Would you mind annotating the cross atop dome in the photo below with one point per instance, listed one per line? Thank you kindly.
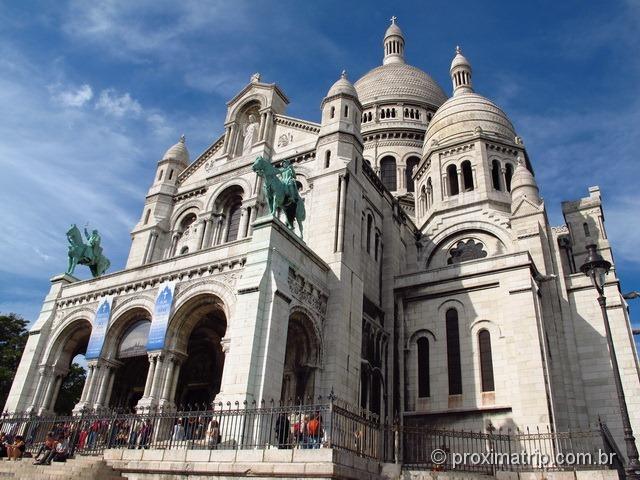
(393, 43)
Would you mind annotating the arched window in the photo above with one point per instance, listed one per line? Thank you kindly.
(327, 159)
(134, 341)
(486, 361)
(184, 250)
(377, 244)
(346, 110)
(146, 217)
(453, 352)
(170, 174)
(411, 162)
(160, 175)
(508, 173)
(587, 233)
(467, 176)
(388, 173)
(235, 212)
(369, 116)
(382, 114)
(393, 113)
(369, 225)
(423, 367)
(452, 175)
(429, 193)
(406, 112)
(495, 174)
(333, 112)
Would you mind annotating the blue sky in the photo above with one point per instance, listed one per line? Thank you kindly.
(93, 93)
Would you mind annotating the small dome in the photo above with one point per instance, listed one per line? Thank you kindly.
(393, 29)
(342, 86)
(460, 60)
(523, 184)
(464, 115)
(178, 152)
(399, 81)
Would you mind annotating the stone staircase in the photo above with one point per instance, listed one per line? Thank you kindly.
(79, 468)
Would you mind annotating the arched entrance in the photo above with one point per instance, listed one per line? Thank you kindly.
(302, 360)
(131, 355)
(199, 327)
(67, 384)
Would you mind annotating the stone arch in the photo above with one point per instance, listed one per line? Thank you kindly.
(241, 182)
(210, 286)
(303, 356)
(70, 339)
(449, 234)
(195, 333)
(193, 206)
(249, 101)
(422, 332)
(490, 325)
(122, 317)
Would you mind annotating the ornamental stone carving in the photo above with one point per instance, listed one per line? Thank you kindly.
(306, 292)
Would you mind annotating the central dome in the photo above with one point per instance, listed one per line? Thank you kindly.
(399, 81)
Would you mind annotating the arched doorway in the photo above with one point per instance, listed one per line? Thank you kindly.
(200, 326)
(130, 377)
(67, 386)
(302, 360)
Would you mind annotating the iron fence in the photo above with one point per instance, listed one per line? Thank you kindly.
(321, 423)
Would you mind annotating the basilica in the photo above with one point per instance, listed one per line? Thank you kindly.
(425, 285)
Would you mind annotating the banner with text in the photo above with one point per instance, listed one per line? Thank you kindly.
(161, 313)
(99, 330)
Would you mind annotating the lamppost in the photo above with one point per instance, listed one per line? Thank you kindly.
(596, 268)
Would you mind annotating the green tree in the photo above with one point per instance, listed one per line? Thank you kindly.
(13, 338)
(70, 390)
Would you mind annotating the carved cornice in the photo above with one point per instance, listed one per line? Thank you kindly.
(297, 123)
(194, 192)
(457, 149)
(307, 292)
(210, 269)
(402, 135)
(560, 229)
(502, 148)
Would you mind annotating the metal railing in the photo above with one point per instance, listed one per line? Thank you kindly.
(321, 423)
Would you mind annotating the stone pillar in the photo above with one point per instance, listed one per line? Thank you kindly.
(104, 384)
(225, 228)
(39, 388)
(269, 126)
(150, 372)
(176, 376)
(50, 381)
(460, 185)
(152, 247)
(236, 135)
(157, 377)
(254, 210)
(56, 391)
(215, 240)
(110, 388)
(503, 179)
(263, 123)
(227, 139)
(201, 232)
(244, 222)
(168, 381)
(341, 212)
(174, 244)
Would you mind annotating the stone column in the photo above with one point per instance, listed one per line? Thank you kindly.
(254, 210)
(460, 185)
(152, 247)
(176, 376)
(215, 240)
(104, 385)
(174, 245)
(503, 179)
(110, 387)
(263, 123)
(269, 126)
(225, 228)
(168, 381)
(201, 232)
(150, 372)
(39, 388)
(236, 135)
(341, 211)
(157, 377)
(51, 381)
(227, 139)
(56, 391)
(244, 222)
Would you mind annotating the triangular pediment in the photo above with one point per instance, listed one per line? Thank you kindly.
(526, 207)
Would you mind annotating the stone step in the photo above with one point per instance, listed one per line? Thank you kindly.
(73, 469)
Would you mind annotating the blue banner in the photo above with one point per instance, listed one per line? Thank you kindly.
(161, 314)
(99, 328)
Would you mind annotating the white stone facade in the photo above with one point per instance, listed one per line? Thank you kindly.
(429, 285)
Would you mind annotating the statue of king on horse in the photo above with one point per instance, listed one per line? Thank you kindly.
(281, 191)
(89, 254)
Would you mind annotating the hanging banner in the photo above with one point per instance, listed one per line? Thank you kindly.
(99, 330)
(161, 313)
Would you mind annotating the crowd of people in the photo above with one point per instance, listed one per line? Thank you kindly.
(299, 430)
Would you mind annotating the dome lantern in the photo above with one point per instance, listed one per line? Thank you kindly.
(461, 74)
(393, 44)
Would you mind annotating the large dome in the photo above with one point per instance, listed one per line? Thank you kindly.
(465, 114)
(399, 81)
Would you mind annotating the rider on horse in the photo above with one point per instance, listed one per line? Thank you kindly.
(288, 177)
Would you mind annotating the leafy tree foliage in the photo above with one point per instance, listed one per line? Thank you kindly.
(70, 390)
(13, 338)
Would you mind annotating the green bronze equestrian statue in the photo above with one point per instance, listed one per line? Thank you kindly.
(89, 254)
(281, 191)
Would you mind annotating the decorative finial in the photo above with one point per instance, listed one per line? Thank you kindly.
(343, 74)
(458, 50)
(255, 78)
(520, 160)
(182, 138)
(393, 20)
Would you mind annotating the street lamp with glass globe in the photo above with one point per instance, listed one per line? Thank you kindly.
(596, 268)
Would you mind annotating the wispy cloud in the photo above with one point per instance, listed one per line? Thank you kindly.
(74, 97)
(118, 104)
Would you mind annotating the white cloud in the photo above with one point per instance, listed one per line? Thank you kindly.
(75, 97)
(118, 105)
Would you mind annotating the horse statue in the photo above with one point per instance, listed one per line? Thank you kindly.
(281, 191)
(86, 254)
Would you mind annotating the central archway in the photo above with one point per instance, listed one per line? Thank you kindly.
(197, 330)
